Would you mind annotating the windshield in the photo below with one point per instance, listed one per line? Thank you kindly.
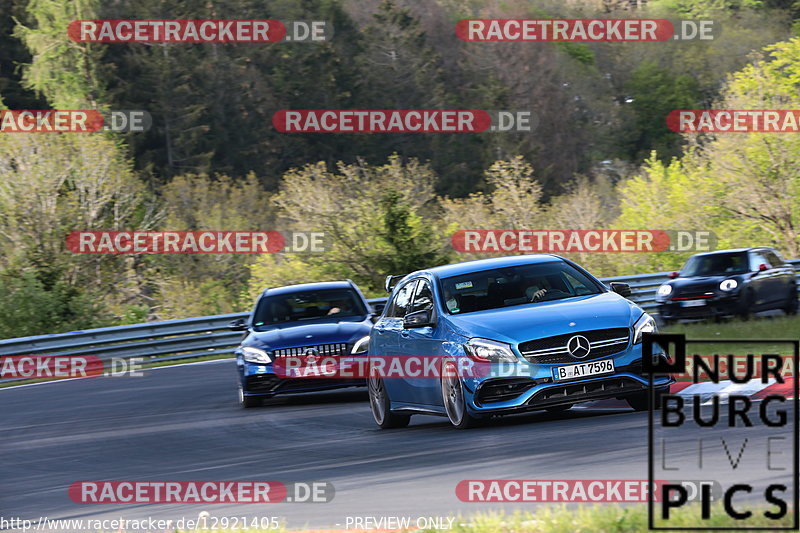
(524, 284)
(715, 265)
(308, 306)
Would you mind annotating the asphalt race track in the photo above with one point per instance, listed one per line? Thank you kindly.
(183, 423)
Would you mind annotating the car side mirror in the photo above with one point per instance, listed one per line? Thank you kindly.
(238, 325)
(623, 289)
(762, 267)
(673, 275)
(418, 319)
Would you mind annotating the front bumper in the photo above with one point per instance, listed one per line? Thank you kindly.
(719, 305)
(261, 380)
(499, 395)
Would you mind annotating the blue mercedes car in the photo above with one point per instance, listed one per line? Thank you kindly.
(308, 321)
(556, 334)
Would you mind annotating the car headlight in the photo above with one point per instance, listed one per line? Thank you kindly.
(361, 346)
(728, 284)
(664, 290)
(256, 355)
(645, 324)
(486, 351)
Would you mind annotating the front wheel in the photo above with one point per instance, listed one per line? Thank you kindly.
(640, 401)
(746, 305)
(454, 401)
(380, 405)
(247, 402)
(791, 305)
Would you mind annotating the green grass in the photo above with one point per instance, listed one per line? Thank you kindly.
(781, 327)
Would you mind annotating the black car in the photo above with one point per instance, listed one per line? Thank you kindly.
(729, 282)
(329, 319)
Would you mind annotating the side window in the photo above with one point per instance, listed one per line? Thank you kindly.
(423, 299)
(774, 262)
(402, 300)
(757, 259)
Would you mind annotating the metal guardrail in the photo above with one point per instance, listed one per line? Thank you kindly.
(190, 338)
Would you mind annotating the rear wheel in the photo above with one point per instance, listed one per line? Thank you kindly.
(379, 404)
(641, 400)
(454, 401)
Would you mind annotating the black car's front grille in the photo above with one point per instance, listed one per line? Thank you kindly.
(579, 392)
(553, 350)
(323, 350)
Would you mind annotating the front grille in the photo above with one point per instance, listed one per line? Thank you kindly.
(553, 350)
(339, 348)
(579, 392)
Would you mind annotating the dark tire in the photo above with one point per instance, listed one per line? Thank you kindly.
(746, 305)
(641, 400)
(559, 408)
(379, 403)
(455, 403)
(247, 402)
(792, 304)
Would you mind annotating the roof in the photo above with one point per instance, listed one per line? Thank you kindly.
(734, 250)
(322, 285)
(478, 265)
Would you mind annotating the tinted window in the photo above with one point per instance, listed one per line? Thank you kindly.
(524, 284)
(773, 259)
(402, 300)
(423, 299)
(308, 305)
(716, 265)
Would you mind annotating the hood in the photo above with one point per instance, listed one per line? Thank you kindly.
(294, 335)
(534, 321)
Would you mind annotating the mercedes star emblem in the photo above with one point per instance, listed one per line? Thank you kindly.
(578, 346)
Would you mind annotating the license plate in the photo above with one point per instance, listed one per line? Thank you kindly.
(595, 368)
(693, 303)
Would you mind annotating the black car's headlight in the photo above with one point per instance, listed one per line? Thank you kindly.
(486, 351)
(361, 346)
(645, 324)
(664, 290)
(256, 355)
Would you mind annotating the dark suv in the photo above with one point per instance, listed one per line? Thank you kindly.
(309, 320)
(729, 282)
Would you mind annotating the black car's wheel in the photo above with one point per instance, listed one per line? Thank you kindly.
(379, 404)
(559, 408)
(792, 304)
(247, 401)
(640, 401)
(454, 401)
(746, 305)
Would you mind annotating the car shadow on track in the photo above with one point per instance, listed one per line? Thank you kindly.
(319, 398)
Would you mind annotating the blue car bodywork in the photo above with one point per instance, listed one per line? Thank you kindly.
(426, 316)
(303, 330)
